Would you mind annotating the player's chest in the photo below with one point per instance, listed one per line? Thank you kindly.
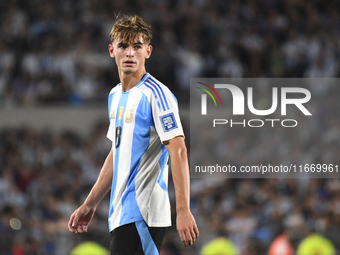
(130, 111)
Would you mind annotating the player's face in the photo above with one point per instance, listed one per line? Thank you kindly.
(130, 56)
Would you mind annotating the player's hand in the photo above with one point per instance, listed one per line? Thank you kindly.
(186, 227)
(81, 218)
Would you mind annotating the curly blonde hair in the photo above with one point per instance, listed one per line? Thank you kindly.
(128, 28)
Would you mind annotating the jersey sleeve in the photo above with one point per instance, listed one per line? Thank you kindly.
(166, 114)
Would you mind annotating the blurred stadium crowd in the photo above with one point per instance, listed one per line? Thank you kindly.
(55, 52)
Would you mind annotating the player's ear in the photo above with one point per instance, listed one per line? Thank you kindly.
(148, 51)
(112, 55)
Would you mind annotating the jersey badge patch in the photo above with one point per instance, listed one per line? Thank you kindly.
(168, 122)
(113, 115)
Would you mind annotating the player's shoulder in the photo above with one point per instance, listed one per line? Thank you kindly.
(152, 86)
(115, 88)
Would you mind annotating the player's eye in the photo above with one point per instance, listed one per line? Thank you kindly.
(137, 47)
(122, 47)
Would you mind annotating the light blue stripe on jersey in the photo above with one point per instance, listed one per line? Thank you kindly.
(162, 162)
(122, 103)
(140, 144)
(159, 87)
(148, 245)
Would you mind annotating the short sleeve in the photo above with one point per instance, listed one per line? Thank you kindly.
(166, 114)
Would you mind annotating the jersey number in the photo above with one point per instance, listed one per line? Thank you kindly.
(118, 135)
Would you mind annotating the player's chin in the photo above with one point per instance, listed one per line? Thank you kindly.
(128, 70)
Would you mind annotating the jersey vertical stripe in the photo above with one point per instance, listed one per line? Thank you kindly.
(134, 147)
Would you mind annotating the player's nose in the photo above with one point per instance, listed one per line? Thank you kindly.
(129, 51)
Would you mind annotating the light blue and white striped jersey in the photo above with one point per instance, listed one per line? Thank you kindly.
(140, 120)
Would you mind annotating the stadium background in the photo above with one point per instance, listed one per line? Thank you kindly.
(55, 75)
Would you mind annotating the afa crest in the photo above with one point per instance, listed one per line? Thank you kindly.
(129, 115)
(113, 115)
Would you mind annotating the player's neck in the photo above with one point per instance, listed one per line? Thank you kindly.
(129, 81)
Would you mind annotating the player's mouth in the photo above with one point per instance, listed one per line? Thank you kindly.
(129, 63)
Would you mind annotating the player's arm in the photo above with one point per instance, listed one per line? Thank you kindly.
(81, 217)
(186, 224)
